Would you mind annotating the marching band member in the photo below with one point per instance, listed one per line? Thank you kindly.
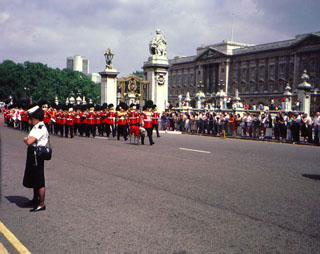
(121, 120)
(111, 121)
(147, 121)
(77, 120)
(91, 122)
(63, 119)
(69, 123)
(155, 120)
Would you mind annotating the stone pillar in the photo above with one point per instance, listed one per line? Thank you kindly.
(109, 86)
(156, 71)
(304, 93)
(288, 98)
(227, 70)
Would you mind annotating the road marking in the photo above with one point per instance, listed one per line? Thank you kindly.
(194, 150)
(3, 250)
(13, 240)
(101, 137)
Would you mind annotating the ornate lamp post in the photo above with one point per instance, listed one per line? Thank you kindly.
(109, 80)
(108, 57)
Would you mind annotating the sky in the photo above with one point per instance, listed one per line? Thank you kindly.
(48, 31)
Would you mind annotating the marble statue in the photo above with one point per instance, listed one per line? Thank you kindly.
(158, 45)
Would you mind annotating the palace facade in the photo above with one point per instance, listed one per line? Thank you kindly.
(259, 72)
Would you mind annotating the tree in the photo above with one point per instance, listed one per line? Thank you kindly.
(43, 83)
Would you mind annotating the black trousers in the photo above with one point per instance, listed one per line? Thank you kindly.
(149, 133)
(122, 130)
(109, 128)
(156, 127)
(68, 129)
(91, 128)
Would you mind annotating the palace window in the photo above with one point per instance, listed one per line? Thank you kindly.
(244, 72)
(291, 68)
(282, 68)
(271, 70)
(253, 72)
(262, 71)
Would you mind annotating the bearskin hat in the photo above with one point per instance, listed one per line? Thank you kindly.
(123, 105)
(149, 104)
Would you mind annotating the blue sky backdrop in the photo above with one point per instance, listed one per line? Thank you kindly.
(48, 31)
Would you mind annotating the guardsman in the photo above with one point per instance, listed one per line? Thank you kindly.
(69, 123)
(111, 121)
(147, 121)
(155, 120)
(63, 120)
(77, 120)
(24, 119)
(104, 118)
(91, 121)
(58, 119)
(83, 117)
(122, 120)
(46, 116)
(99, 115)
(133, 115)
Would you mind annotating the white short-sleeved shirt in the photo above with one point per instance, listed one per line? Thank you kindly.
(40, 132)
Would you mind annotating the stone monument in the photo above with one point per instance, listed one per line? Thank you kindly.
(287, 104)
(304, 93)
(156, 71)
(109, 80)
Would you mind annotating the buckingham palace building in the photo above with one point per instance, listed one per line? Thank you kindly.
(258, 72)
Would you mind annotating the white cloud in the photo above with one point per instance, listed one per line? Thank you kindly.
(50, 31)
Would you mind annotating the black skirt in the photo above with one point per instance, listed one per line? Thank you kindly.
(34, 171)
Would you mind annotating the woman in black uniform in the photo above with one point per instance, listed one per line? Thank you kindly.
(34, 171)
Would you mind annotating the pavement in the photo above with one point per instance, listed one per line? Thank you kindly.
(186, 194)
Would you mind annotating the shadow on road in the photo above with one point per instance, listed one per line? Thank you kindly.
(312, 176)
(20, 201)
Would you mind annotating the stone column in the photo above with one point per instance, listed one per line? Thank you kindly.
(156, 70)
(227, 69)
(304, 93)
(288, 96)
(109, 86)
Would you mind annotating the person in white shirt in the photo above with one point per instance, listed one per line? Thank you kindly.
(34, 171)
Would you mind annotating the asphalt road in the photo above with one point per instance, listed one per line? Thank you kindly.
(108, 196)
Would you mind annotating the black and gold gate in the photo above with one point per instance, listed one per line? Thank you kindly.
(132, 89)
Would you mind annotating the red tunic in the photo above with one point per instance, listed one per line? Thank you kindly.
(155, 118)
(147, 119)
(91, 118)
(70, 119)
(111, 117)
(63, 118)
(77, 118)
(121, 118)
(46, 117)
(133, 117)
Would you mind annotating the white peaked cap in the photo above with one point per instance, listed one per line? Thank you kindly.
(33, 109)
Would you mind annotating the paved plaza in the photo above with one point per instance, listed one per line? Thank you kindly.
(184, 195)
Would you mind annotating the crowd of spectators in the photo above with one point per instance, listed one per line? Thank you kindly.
(286, 127)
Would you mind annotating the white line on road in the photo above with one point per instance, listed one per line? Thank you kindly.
(101, 137)
(194, 150)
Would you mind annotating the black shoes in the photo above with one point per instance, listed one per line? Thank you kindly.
(39, 208)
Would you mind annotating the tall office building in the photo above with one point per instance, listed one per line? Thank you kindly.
(78, 63)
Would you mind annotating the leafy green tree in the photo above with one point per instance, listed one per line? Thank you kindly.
(139, 74)
(44, 83)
